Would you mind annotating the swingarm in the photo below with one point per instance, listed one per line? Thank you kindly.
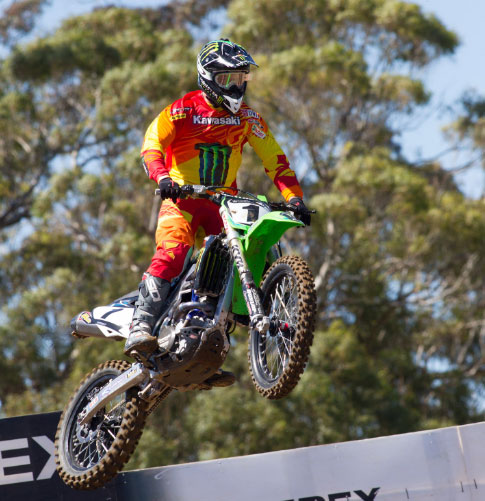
(132, 377)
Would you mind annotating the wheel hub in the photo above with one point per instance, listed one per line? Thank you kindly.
(85, 433)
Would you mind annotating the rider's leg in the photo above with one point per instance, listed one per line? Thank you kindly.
(174, 238)
(152, 294)
(175, 235)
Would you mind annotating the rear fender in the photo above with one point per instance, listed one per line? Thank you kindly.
(113, 321)
(108, 322)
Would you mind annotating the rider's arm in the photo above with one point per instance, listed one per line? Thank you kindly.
(275, 162)
(158, 137)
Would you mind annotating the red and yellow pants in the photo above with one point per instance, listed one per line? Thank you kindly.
(179, 227)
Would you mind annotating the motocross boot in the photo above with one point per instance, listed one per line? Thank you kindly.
(152, 294)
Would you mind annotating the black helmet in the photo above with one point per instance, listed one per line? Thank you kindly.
(223, 68)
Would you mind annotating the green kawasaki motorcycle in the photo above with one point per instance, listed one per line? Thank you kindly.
(222, 286)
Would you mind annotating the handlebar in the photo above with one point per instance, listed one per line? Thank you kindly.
(189, 189)
(201, 191)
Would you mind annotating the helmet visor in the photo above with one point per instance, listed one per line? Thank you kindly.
(227, 79)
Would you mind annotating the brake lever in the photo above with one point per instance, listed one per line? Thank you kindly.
(288, 207)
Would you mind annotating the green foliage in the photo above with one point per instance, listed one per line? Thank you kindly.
(341, 70)
(467, 132)
(18, 19)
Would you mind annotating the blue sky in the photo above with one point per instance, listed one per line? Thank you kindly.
(448, 78)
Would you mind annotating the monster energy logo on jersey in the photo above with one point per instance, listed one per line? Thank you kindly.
(214, 163)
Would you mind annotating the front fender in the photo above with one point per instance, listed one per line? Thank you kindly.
(260, 237)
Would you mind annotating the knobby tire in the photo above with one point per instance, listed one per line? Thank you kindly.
(302, 335)
(120, 450)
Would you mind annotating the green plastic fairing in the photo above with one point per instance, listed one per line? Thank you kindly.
(260, 237)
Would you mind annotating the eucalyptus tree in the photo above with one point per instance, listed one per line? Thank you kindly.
(395, 246)
(74, 106)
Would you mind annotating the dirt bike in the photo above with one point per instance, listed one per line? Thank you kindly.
(220, 287)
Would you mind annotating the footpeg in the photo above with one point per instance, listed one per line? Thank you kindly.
(139, 356)
(220, 379)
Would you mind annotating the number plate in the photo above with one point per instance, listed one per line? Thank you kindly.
(244, 212)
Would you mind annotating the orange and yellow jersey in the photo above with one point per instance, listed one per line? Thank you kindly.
(195, 143)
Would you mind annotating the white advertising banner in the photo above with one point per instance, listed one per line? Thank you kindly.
(438, 465)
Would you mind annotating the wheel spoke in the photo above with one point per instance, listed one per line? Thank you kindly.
(276, 348)
(93, 454)
(103, 446)
(111, 433)
(91, 443)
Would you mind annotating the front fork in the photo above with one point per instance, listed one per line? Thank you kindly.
(257, 319)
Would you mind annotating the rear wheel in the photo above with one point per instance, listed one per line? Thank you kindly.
(90, 455)
(277, 358)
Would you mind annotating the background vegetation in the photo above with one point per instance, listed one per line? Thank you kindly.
(396, 248)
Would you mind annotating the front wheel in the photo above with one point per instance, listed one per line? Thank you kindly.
(90, 455)
(277, 358)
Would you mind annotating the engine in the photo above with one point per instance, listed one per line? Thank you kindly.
(193, 347)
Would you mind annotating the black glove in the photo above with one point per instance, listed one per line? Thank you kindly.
(300, 210)
(169, 189)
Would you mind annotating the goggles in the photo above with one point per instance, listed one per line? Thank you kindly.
(228, 79)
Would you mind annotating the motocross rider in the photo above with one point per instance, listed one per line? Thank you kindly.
(199, 139)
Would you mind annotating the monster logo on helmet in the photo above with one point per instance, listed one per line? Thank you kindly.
(223, 69)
